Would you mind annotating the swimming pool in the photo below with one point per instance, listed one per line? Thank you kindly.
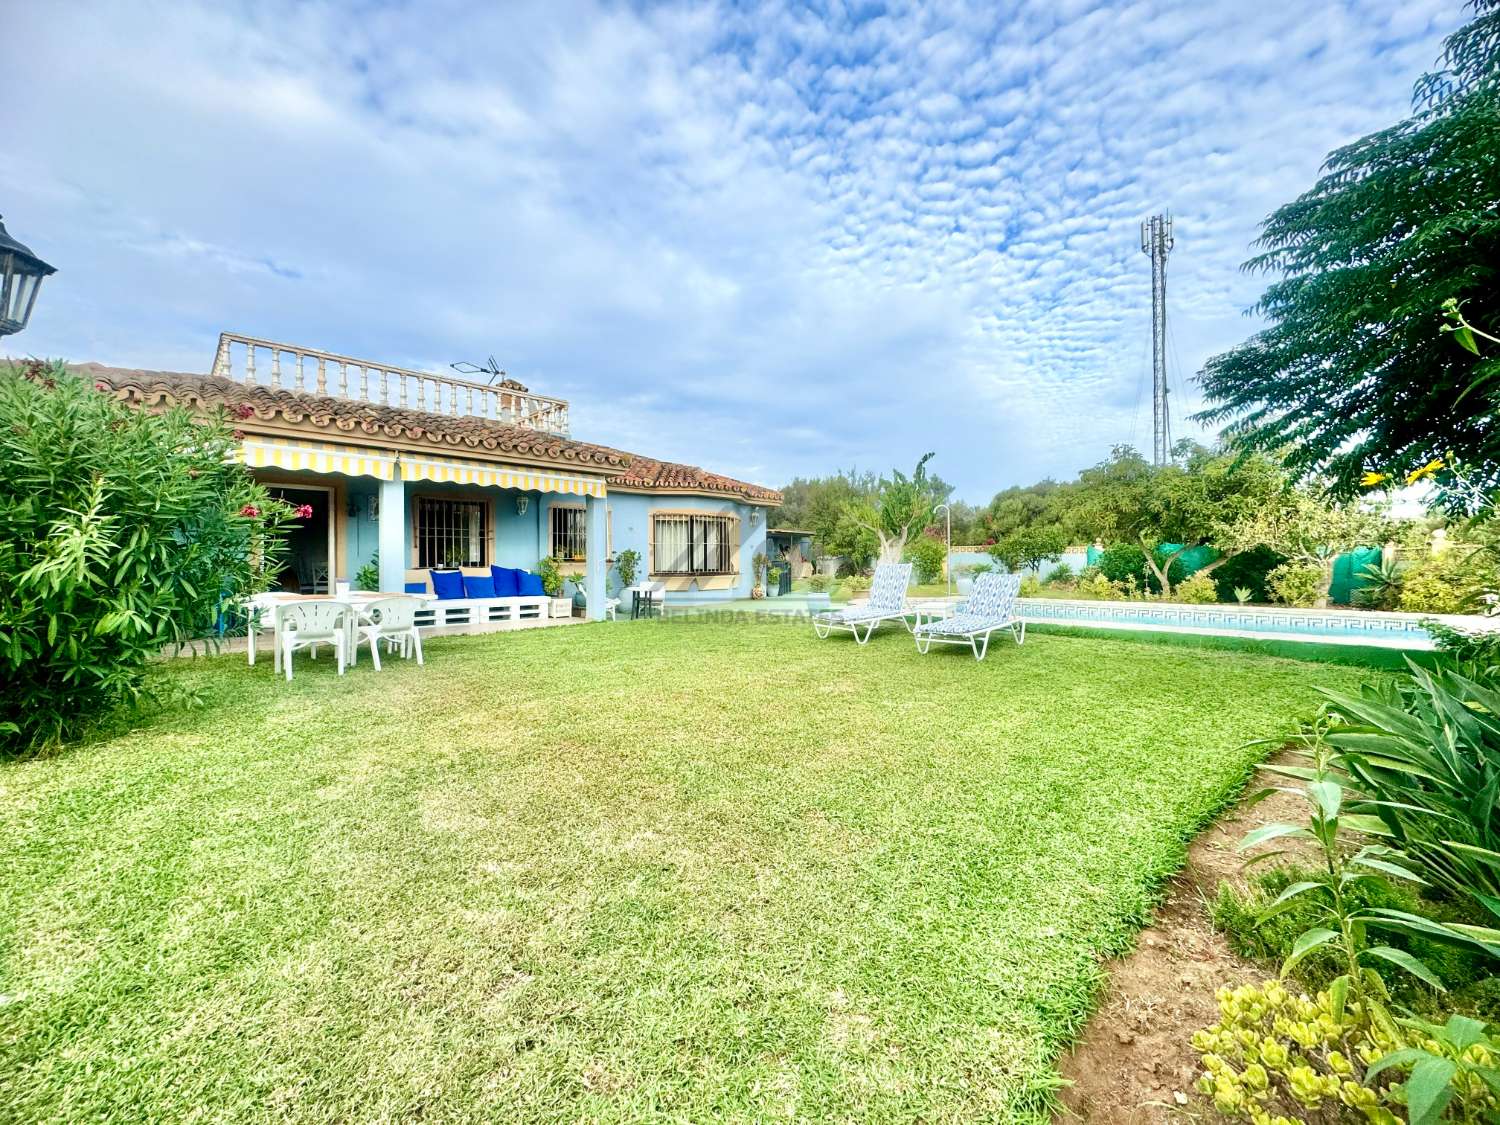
(1330, 626)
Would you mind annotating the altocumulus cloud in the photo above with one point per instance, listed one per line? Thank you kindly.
(770, 239)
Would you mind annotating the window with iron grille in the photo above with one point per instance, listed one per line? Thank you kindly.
(685, 544)
(569, 533)
(452, 532)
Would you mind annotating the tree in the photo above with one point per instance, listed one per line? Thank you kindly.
(121, 532)
(820, 505)
(1028, 547)
(1353, 373)
(1302, 525)
(901, 508)
(1017, 507)
(1194, 501)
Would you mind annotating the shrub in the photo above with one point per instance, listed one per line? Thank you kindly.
(1248, 570)
(927, 556)
(1275, 1056)
(857, 583)
(1478, 651)
(1100, 588)
(819, 583)
(1296, 584)
(1197, 590)
(1442, 583)
(1061, 575)
(1121, 561)
(124, 531)
(1031, 587)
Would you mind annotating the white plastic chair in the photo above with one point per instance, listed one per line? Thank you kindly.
(611, 605)
(393, 620)
(310, 624)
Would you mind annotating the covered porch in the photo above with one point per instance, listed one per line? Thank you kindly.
(397, 516)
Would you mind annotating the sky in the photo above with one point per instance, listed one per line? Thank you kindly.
(771, 240)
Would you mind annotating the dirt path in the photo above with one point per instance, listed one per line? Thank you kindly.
(1134, 1063)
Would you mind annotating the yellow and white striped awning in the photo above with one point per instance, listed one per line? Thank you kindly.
(499, 476)
(264, 453)
(261, 453)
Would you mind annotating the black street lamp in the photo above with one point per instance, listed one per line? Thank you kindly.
(21, 274)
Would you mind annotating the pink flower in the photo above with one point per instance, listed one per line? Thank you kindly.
(303, 512)
(250, 510)
(239, 435)
(244, 410)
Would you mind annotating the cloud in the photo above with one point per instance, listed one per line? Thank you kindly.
(771, 241)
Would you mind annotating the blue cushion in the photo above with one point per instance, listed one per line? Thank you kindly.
(447, 583)
(531, 584)
(505, 581)
(479, 587)
(416, 587)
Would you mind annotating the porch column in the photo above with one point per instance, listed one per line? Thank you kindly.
(392, 535)
(596, 541)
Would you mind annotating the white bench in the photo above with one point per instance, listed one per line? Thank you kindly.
(476, 614)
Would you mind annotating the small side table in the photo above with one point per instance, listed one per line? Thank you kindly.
(561, 607)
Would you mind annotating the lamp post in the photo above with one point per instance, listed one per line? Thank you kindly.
(21, 274)
(947, 543)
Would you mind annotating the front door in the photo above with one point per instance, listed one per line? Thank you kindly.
(306, 567)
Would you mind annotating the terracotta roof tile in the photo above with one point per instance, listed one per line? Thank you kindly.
(456, 434)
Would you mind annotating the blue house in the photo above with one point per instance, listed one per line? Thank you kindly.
(413, 471)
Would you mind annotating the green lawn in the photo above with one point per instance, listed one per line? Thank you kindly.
(666, 870)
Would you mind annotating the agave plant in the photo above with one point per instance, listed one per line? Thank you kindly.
(1243, 594)
(1382, 584)
(1427, 755)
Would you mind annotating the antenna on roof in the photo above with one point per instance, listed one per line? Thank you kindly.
(490, 368)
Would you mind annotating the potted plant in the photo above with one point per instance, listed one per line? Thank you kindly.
(773, 582)
(552, 585)
(818, 598)
(758, 563)
(625, 564)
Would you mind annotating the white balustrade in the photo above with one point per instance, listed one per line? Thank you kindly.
(365, 381)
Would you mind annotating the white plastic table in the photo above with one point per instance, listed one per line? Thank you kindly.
(262, 604)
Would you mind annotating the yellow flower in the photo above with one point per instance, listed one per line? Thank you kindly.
(1370, 480)
(1425, 471)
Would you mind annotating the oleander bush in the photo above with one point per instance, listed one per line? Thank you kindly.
(121, 532)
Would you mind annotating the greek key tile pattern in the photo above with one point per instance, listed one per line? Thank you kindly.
(1403, 630)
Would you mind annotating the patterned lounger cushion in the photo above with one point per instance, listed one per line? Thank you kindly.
(962, 624)
(992, 605)
(856, 613)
